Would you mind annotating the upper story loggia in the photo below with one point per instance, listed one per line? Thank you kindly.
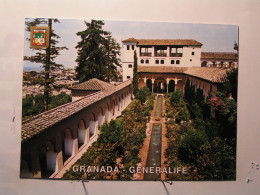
(165, 52)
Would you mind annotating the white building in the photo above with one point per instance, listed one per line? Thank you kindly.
(160, 52)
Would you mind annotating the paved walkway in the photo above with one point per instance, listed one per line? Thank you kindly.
(143, 153)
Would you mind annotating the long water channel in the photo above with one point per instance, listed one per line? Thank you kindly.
(154, 154)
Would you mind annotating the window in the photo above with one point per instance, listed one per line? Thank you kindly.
(133, 47)
(177, 61)
(192, 53)
(130, 65)
(172, 61)
(128, 77)
(127, 47)
(156, 61)
(146, 51)
(161, 51)
(162, 61)
(176, 51)
(147, 61)
(142, 61)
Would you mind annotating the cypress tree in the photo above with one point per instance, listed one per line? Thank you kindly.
(135, 76)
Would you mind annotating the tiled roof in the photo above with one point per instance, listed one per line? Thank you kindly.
(219, 55)
(161, 69)
(92, 85)
(163, 41)
(215, 75)
(39, 123)
(131, 40)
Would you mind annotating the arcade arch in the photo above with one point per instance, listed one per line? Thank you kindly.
(82, 133)
(171, 86)
(48, 158)
(100, 117)
(68, 145)
(160, 85)
(92, 124)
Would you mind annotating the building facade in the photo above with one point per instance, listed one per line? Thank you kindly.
(165, 79)
(166, 65)
(164, 52)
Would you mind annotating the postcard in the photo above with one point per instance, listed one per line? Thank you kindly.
(124, 100)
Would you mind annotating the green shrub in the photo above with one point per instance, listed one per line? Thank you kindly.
(169, 114)
(176, 97)
(183, 115)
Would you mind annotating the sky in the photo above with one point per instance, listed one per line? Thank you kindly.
(214, 37)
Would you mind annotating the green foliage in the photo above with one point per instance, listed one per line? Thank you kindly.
(193, 144)
(176, 97)
(199, 97)
(60, 99)
(189, 91)
(207, 144)
(183, 114)
(135, 76)
(169, 114)
(230, 87)
(35, 105)
(197, 111)
(97, 53)
(27, 104)
(143, 94)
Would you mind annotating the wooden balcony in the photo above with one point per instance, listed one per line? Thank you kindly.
(146, 54)
(161, 54)
(175, 54)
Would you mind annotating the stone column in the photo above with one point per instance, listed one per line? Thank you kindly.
(59, 161)
(145, 80)
(175, 82)
(167, 84)
(75, 147)
(168, 51)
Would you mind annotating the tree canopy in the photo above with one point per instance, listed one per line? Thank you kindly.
(98, 53)
(46, 56)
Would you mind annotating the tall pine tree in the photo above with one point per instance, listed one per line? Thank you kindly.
(46, 56)
(98, 53)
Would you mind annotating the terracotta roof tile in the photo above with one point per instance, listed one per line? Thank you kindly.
(161, 69)
(215, 75)
(219, 55)
(92, 85)
(163, 41)
(130, 40)
(39, 123)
